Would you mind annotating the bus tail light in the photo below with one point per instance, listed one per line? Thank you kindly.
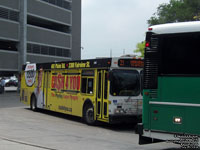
(146, 93)
(147, 44)
(155, 111)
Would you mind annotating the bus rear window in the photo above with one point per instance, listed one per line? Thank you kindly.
(180, 53)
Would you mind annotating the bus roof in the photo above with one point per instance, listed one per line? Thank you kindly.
(181, 27)
(90, 63)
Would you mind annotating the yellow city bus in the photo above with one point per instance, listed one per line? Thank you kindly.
(104, 89)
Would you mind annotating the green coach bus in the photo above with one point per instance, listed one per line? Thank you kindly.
(171, 95)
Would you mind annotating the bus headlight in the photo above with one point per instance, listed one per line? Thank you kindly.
(140, 102)
(119, 111)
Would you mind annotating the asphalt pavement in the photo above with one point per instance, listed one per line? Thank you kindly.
(6, 144)
(23, 129)
(8, 100)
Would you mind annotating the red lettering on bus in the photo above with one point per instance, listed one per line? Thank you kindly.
(67, 84)
(57, 82)
(78, 82)
(74, 82)
(71, 83)
(53, 82)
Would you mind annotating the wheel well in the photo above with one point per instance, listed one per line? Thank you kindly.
(86, 103)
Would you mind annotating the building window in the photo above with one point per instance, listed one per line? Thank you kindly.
(60, 3)
(44, 50)
(66, 53)
(52, 51)
(52, 2)
(9, 14)
(8, 45)
(36, 49)
(59, 52)
(47, 50)
(42, 23)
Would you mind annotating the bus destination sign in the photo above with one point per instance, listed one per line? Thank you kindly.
(137, 63)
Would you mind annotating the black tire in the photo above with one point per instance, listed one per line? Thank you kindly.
(89, 115)
(33, 104)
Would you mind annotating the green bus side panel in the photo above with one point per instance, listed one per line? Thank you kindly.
(163, 119)
(179, 89)
(160, 117)
(146, 109)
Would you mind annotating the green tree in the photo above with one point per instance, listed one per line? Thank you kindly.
(176, 11)
(140, 48)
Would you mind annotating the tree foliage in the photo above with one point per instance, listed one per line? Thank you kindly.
(140, 48)
(176, 11)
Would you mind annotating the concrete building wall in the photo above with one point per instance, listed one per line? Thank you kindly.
(52, 30)
(9, 30)
(10, 3)
(76, 29)
(9, 61)
(49, 11)
(50, 37)
(42, 59)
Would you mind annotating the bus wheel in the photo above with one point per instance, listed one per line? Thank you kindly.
(89, 115)
(33, 104)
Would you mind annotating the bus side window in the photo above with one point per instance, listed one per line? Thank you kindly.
(90, 86)
(83, 85)
(87, 85)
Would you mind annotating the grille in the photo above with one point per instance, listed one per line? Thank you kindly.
(153, 93)
(151, 65)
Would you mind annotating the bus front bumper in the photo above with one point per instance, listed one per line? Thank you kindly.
(114, 119)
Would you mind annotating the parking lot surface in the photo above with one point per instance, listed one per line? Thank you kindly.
(23, 129)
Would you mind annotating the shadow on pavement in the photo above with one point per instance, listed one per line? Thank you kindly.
(115, 127)
(56, 114)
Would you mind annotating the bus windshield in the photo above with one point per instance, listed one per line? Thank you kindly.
(125, 83)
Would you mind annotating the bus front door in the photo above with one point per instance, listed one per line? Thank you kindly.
(102, 96)
(46, 85)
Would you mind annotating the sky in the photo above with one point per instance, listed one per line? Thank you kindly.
(114, 27)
